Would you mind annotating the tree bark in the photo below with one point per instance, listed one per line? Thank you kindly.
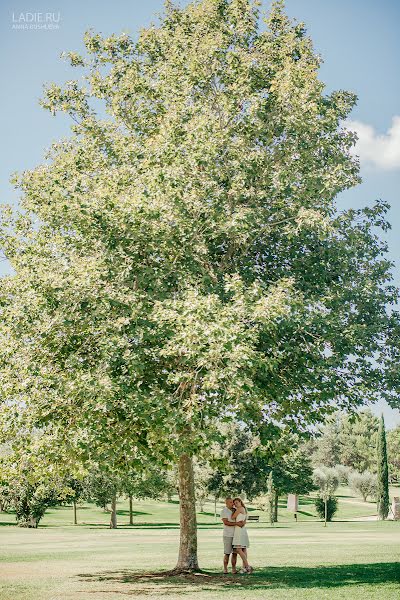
(113, 520)
(75, 516)
(130, 511)
(187, 560)
(276, 507)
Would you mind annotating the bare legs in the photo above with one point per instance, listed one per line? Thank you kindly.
(233, 562)
(243, 555)
(226, 562)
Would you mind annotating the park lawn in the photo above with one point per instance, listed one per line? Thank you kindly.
(303, 560)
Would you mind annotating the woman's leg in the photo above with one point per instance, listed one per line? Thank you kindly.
(243, 556)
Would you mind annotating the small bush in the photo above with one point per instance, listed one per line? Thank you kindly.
(332, 506)
(364, 484)
(30, 501)
(344, 473)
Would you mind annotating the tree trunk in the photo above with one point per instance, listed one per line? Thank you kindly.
(187, 560)
(276, 507)
(113, 520)
(75, 517)
(130, 511)
(326, 510)
(215, 508)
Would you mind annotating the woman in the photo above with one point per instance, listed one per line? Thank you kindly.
(241, 538)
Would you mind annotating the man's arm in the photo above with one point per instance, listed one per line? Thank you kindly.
(232, 523)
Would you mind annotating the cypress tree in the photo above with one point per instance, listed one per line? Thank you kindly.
(383, 475)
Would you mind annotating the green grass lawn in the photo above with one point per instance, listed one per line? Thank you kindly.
(303, 560)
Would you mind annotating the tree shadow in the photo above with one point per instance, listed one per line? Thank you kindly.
(265, 578)
(135, 513)
(308, 514)
(305, 501)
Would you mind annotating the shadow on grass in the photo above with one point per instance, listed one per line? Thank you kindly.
(135, 513)
(305, 501)
(213, 526)
(165, 583)
(308, 514)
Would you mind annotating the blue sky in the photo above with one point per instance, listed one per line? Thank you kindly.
(358, 40)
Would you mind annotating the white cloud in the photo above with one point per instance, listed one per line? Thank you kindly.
(381, 150)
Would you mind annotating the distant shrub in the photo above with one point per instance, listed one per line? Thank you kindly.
(364, 484)
(344, 472)
(332, 506)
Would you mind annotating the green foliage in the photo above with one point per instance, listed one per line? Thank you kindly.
(238, 462)
(30, 501)
(364, 484)
(393, 451)
(293, 473)
(242, 463)
(358, 441)
(204, 481)
(148, 482)
(331, 507)
(100, 487)
(344, 473)
(5, 497)
(183, 260)
(382, 473)
(326, 479)
(348, 440)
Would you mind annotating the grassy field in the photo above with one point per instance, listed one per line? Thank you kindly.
(303, 560)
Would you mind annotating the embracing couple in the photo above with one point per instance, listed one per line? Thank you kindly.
(235, 536)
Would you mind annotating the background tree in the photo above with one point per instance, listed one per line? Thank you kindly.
(202, 474)
(344, 473)
(182, 260)
(364, 483)
(348, 440)
(326, 508)
(393, 452)
(358, 437)
(239, 462)
(325, 448)
(293, 474)
(77, 492)
(327, 481)
(102, 489)
(148, 481)
(382, 473)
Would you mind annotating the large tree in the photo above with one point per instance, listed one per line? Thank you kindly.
(180, 257)
(348, 440)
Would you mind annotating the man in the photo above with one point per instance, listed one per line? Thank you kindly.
(229, 530)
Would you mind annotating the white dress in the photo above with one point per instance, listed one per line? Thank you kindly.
(241, 537)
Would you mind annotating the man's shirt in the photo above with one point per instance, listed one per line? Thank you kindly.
(226, 513)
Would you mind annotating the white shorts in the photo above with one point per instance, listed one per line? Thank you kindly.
(228, 549)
